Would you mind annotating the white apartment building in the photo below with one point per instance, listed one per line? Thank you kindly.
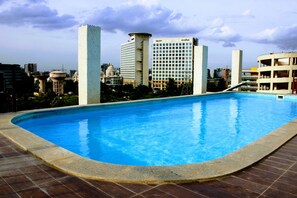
(172, 58)
(277, 73)
(134, 62)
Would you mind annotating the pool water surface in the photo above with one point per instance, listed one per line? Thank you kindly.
(163, 132)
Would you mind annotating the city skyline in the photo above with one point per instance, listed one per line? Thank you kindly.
(45, 32)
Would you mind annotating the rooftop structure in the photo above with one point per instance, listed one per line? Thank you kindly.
(200, 72)
(89, 49)
(236, 71)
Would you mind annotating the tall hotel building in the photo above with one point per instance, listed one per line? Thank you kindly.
(135, 59)
(172, 58)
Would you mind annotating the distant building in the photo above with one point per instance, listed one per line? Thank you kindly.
(8, 74)
(135, 59)
(112, 77)
(30, 68)
(172, 58)
(224, 73)
(71, 73)
(58, 77)
(277, 73)
(250, 76)
(75, 77)
(42, 78)
(104, 67)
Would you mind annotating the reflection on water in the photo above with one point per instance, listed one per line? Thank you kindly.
(233, 116)
(83, 132)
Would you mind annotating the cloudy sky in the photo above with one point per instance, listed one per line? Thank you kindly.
(45, 31)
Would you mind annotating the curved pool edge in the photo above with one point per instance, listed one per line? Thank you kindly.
(76, 165)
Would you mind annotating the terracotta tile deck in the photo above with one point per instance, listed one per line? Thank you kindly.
(22, 175)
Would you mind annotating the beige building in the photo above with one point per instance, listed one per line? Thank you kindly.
(135, 59)
(58, 77)
(277, 73)
(172, 58)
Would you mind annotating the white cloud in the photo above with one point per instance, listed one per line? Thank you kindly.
(156, 20)
(147, 3)
(284, 37)
(37, 15)
(219, 32)
(247, 13)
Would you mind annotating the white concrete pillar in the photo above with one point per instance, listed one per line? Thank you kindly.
(236, 72)
(89, 49)
(200, 69)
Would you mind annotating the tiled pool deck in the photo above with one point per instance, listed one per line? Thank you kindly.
(22, 175)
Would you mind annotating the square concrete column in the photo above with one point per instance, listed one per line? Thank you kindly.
(200, 69)
(236, 72)
(89, 49)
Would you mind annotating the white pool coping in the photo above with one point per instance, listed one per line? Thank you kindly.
(77, 165)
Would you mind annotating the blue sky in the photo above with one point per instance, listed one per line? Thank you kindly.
(45, 31)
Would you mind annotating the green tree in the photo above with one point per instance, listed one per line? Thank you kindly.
(221, 84)
(71, 86)
(171, 88)
(140, 92)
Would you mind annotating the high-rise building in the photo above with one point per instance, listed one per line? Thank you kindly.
(30, 68)
(135, 59)
(172, 58)
(8, 74)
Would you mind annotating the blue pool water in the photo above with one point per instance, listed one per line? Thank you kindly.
(163, 132)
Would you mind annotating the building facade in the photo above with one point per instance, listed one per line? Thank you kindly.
(135, 59)
(172, 58)
(277, 73)
(8, 74)
(250, 76)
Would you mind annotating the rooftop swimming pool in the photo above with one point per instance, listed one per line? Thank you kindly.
(165, 132)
